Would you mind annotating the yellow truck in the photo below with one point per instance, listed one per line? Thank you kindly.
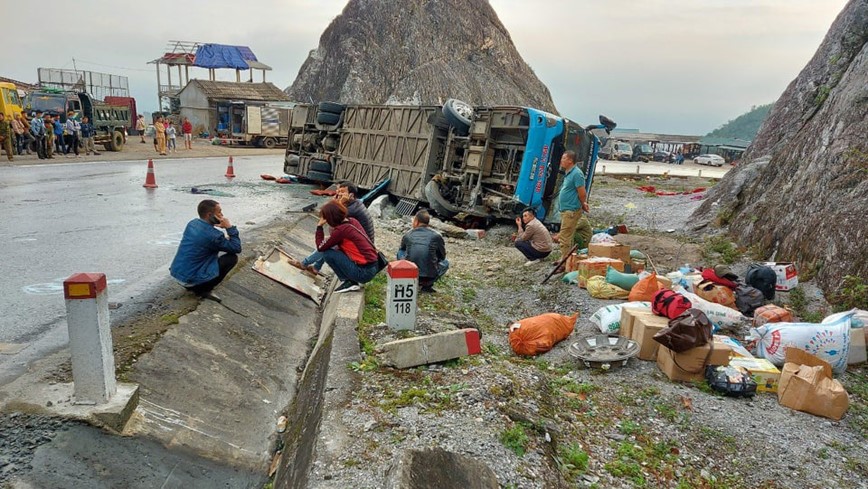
(10, 103)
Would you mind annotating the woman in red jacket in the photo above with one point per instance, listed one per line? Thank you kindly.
(348, 251)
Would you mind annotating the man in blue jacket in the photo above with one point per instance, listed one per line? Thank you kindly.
(198, 265)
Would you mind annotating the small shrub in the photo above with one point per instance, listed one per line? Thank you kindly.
(574, 461)
(853, 293)
(515, 439)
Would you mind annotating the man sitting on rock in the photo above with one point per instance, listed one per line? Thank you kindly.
(346, 194)
(198, 265)
(425, 247)
(533, 239)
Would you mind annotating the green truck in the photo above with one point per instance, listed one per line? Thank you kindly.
(111, 122)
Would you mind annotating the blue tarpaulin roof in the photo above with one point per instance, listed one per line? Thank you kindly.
(223, 56)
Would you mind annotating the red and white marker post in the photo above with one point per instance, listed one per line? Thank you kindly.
(90, 340)
(401, 292)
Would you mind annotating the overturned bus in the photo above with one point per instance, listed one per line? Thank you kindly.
(466, 163)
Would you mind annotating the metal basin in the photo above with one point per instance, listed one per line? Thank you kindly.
(604, 352)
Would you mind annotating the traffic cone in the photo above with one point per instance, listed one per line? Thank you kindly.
(150, 180)
(230, 171)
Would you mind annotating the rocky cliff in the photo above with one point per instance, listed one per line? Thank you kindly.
(801, 193)
(421, 52)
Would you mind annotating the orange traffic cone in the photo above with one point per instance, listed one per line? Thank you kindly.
(230, 171)
(150, 180)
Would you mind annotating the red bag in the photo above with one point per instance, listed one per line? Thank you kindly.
(711, 276)
(670, 304)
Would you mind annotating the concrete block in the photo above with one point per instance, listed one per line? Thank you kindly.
(58, 400)
(433, 348)
(475, 234)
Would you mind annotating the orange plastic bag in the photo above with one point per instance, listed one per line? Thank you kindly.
(538, 334)
(645, 288)
(712, 292)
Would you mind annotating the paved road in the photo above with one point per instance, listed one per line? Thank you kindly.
(96, 217)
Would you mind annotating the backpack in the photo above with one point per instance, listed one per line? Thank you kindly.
(748, 299)
(762, 278)
(669, 303)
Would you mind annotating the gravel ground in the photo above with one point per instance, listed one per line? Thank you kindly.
(20, 436)
(548, 422)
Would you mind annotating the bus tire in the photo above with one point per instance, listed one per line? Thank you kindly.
(458, 114)
(331, 107)
(328, 118)
(318, 176)
(321, 166)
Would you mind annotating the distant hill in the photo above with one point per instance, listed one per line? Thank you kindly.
(744, 126)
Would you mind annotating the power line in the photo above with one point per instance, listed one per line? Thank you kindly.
(111, 66)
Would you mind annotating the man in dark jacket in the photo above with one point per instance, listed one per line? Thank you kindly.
(198, 265)
(424, 247)
(346, 194)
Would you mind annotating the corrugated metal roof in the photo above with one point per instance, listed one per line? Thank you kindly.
(223, 90)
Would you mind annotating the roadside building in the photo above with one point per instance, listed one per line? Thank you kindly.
(730, 148)
(216, 107)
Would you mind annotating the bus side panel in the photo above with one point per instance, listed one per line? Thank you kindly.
(537, 159)
(396, 142)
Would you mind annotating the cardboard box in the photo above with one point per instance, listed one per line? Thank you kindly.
(691, 361)
(645, 326)
(573, 261)
(596, 266)
(858, 353)
(610, 250)
(628, 317)
(788, 277)
(807, 385)
(763, 372)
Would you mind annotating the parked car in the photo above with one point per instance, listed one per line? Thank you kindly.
(643, 152)
(622, 152)
(712, 160)
(664, 156)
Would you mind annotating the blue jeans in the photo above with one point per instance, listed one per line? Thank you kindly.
(347, 269)
(316, 259)
(529, 251)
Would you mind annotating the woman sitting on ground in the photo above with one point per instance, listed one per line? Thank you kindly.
(348, 251)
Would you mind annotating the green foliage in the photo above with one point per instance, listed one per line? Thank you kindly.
(853, 293)
(744, 126)
(799, 304)
(720, 249)
(574, 461)
(515, 439)
(629, 427)
(822, 94)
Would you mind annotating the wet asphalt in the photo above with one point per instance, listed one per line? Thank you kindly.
(96, 217)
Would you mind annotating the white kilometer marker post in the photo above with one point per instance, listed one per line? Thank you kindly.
(402, 290)
(90, 340)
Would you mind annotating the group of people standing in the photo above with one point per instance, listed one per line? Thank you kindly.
(166, 134)
(349, 248)
(47, 135)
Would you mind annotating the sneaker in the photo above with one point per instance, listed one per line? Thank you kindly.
(211, 296)
(531, 262)
(427, 290)
(347, 286)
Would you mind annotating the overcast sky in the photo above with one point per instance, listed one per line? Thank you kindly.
(669, 66)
